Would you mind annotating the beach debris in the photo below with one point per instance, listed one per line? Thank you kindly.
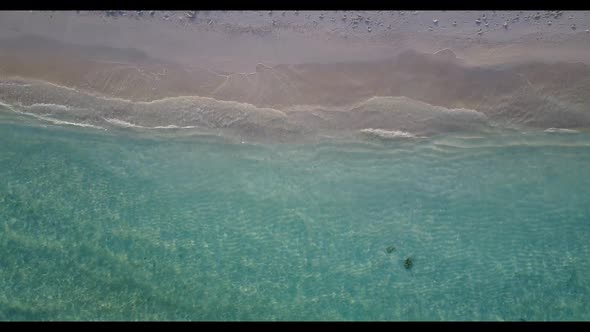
(549, 23)
(505, 25)
(390, 249)
(435, 21)
(454, 23)
(573, 27)
(369, 29)
(408, 263)
(478, 21)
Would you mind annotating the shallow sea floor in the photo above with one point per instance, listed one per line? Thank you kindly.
(98, 225)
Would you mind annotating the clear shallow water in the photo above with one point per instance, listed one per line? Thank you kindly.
(98, 225)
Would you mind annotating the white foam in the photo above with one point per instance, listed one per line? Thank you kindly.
(6, 106)
(122, 123)
(126, 124)
(14, 84)
(53, 107)
(174, 127)
(59, 122)
(389, 134)
(561, 130)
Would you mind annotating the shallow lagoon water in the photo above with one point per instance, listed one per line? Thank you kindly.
(103, 225)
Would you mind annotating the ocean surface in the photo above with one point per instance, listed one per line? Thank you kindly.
(128, 225)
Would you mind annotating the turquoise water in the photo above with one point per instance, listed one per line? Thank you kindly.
(99, 225)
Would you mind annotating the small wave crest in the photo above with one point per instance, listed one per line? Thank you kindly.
(561, 131)
(387, 134)
(121, 123)
(57, 121)
(125, 124)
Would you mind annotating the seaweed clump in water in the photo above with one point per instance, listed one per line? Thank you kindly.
(408, 263)
(390, 249)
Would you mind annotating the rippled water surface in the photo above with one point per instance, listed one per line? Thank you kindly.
(102, 225)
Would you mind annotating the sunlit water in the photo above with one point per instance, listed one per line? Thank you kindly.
(99, 225)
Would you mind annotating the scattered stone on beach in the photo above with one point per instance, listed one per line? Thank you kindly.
(435, 21)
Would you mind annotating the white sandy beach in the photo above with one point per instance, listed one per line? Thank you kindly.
(316, 68)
